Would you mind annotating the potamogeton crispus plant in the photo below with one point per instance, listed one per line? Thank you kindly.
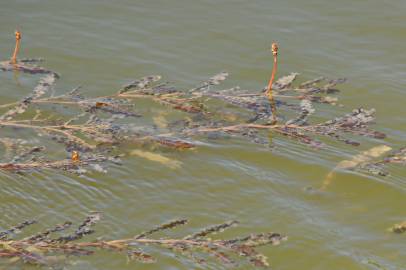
(43, 247)
(100, 123)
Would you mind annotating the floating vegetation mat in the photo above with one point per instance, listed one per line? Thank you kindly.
(51, 246)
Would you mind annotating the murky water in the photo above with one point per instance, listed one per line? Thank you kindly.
(104, 44)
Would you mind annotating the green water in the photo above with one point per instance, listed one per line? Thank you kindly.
(101, 45)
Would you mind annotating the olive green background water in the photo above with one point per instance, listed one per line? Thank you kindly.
(104, 44)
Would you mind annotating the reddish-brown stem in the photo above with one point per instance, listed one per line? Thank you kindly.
(269, 89)
(17, 47)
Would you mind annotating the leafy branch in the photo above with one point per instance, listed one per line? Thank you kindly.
(40, 247)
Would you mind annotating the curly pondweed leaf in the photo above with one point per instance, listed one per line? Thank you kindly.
(310, 83)
(140, 84)
(300, 135)
(82, 230)
(214, 80)
(42, 236)
(44, 85)
(356, 122)
(4, 235)
(330, 86)
(31, 60)
(25, 67)
(165, 226)
(212, 230)
(307, 109)
(285, 81)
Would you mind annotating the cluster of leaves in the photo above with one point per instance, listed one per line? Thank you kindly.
(100, 122)
(44, 247)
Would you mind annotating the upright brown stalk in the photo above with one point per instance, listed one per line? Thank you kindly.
(17, 47)
(269, 89)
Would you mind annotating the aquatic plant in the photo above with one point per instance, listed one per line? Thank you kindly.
(98, 125)
(51, 246)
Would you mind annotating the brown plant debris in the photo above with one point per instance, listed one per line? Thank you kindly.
(43, 247)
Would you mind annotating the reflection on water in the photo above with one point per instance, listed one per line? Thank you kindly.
(103, 44)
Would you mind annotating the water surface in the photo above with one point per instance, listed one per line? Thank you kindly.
(104, 44)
